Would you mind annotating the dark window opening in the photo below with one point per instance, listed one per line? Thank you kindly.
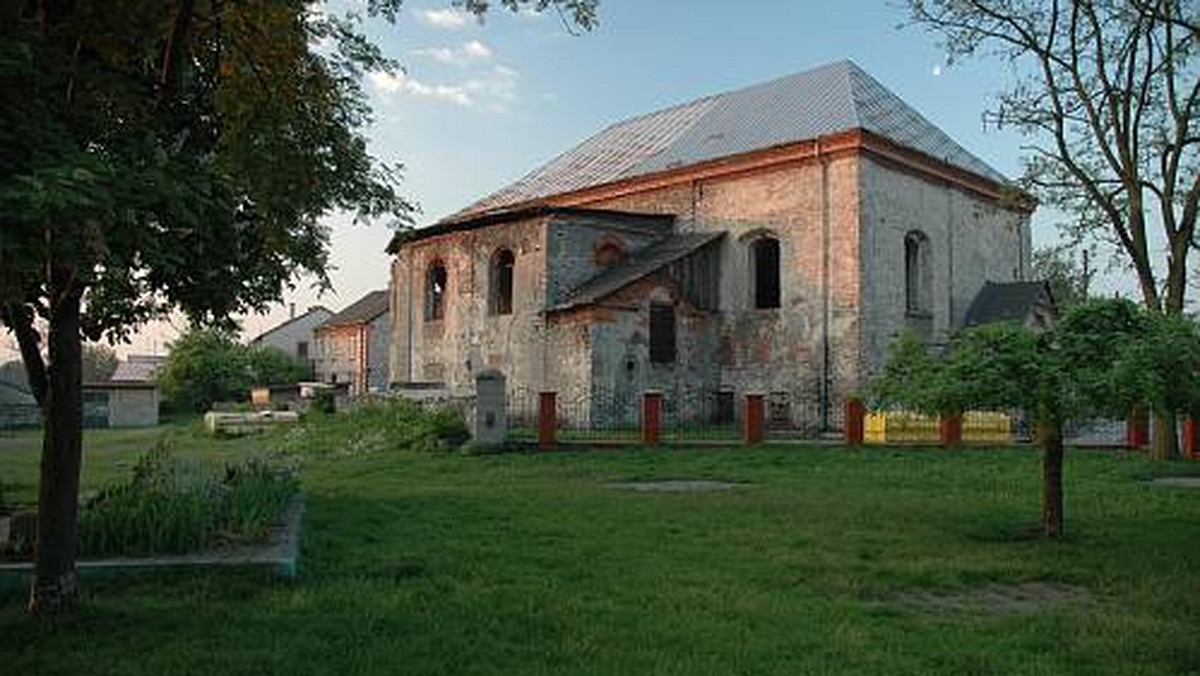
(302, 349)
(723, 412)
(662, 333)
(779, 410)
(918, 282)
(765, 265)
(501, 300)
(435, 292)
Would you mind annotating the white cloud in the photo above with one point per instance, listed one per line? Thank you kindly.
(477, 49)
(449, 17)
(498, 88)
(468, 52)
(388, 83)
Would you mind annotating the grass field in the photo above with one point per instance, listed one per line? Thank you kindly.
(820, 561)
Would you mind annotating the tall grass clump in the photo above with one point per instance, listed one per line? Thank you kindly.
(172, 507)
(378, 427)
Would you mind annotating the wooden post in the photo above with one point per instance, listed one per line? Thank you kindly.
(1137, 429)
(1191, 438)
(547, 419)
(855, 427)
(652, 401)
(950, 429)
(753, 417)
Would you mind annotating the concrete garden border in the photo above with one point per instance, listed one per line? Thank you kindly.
(280, 554)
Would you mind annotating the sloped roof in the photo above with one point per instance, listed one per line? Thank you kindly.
(360, 311)
(12, 394)
(829, 99)
(1006, 302)
(638, 265)
(290, 320)
(138, 368)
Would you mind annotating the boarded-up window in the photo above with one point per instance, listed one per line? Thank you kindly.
(764, 262)
(500, 300)
(723, 408)
(662, 333)
(435, 291)
(779, 410)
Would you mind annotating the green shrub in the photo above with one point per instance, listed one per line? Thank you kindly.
(375, 427)
(172, 507)
(323, 401)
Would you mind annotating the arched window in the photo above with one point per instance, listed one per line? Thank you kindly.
(918, 274)
(435, 291)
(609, 254)
(764, 268)
(500, 287)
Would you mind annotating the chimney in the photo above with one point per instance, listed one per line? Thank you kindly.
(291, 310)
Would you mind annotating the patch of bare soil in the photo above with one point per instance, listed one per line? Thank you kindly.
(993, 599)
(676, 486)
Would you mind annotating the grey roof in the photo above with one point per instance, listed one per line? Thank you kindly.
(138, 368)
(361, 311)
(1006, 302)
(316, 308)
(12, 394)
(638, 265)
(832, 98)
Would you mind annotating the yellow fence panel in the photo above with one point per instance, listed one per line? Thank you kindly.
(883, 427)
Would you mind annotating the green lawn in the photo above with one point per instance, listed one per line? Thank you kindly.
(415, 563)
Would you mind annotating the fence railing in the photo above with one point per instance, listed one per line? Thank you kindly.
(698, 415)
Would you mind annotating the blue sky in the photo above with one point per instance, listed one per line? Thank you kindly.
(482, 104)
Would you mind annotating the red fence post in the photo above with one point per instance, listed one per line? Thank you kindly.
(1137, 429)
(547, 419)
(950, 429)
(652, 401)
(752, 419)
(855, 428)
(1191, 438)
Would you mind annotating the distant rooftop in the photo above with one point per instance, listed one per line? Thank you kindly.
(833, 98)
(138, 368)
(361, 311)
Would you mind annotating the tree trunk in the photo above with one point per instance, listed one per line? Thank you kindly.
(54, 589)
(1164, 442)
(1052, 480)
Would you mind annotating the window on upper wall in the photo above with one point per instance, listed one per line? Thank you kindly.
(435, 291)
(500, 283)
(918, 274)
(662, 333)
(609, 254)
(764, 267)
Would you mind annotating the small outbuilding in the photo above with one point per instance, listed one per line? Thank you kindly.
(120, 404)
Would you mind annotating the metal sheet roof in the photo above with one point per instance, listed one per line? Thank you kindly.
(638, 265)
(832, 98)
(1006, 302)
(361, 311)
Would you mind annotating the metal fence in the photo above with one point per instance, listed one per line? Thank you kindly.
(13, 416)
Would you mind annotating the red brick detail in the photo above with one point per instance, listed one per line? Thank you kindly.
(856, 417)
(753, 418)
(1137, 429)
(547, 418)
(651, 417)
(1191, 438)
(950, 429)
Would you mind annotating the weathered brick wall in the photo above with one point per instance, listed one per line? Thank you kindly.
(780, 350)
(972, 240)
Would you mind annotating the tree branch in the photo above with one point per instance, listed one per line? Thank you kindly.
(19, 319)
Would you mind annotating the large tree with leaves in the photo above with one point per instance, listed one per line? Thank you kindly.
(1109, 93)
(161, 154)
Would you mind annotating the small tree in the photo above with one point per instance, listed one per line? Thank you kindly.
(1094, 361)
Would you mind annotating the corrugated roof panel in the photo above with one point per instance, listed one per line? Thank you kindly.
(833, 98)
